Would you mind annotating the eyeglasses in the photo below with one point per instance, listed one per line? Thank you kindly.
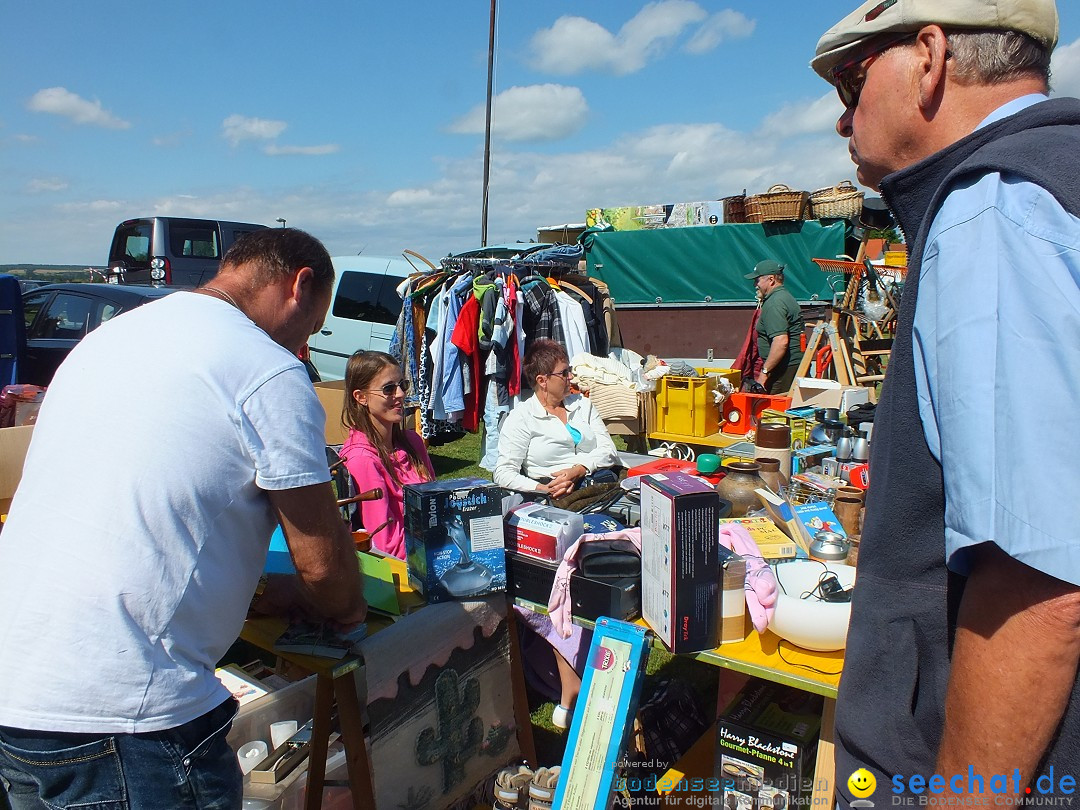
(391, 388)
(565, 373)
(850, 77)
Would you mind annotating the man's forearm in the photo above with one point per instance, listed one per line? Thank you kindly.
(1014, 664)
(336, 588)
(777, 350)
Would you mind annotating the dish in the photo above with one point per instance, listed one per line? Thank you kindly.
(810, 623)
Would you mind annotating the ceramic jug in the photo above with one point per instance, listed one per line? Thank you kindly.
(738, 486)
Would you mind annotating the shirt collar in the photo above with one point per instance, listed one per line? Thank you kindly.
(1012, 108)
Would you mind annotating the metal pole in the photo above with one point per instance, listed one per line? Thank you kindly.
(487, 127)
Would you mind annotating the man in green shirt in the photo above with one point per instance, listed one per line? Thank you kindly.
(779, 328)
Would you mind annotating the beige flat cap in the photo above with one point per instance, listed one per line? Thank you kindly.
(1037, 18)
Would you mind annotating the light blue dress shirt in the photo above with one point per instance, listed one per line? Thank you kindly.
(997, 368)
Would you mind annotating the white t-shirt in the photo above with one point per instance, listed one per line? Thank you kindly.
(141, 524)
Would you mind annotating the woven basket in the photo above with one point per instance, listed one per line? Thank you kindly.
(735, 208)
(752, 208)
(842, 201)
(779, 203)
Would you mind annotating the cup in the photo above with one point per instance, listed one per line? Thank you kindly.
(848, 491)
(847, 512)
(281, 731)
(251, 754)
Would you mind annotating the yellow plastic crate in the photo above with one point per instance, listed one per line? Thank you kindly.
(732, 375)
(684, 406)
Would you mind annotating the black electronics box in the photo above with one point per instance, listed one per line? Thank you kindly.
(531, 578)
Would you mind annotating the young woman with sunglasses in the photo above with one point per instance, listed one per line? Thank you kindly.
(380, 452)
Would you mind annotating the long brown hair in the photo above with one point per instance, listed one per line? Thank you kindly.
(361, 369)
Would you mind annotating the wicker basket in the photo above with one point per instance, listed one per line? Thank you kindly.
(779, 203)
(752, 208)
(735, 208)
(842, 201)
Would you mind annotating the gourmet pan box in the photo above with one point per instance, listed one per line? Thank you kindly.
(766, 742)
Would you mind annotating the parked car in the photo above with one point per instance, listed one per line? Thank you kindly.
(58, 316)
(172, 251)
(363, 311)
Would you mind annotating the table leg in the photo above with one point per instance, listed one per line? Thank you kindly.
(351, 718)
(825, 766)
(320, 741)
(522, 719)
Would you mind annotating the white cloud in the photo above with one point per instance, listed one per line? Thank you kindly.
(668, 163)
(23, 138)
(322, 149)
(45, 184)
(237, 128)
(575, 44)
(1065, 70)
(806, 117)
(721, 26)
(541, 112)
(61, 101)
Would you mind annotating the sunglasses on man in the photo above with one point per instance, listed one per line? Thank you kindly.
(850, 76)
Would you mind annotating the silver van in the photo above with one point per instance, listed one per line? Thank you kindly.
(363, 311)
(171, 251)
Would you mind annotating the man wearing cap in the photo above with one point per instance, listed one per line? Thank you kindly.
(779, 328)
(964, 640)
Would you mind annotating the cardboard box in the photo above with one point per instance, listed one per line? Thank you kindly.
(732, 596)
(454, 542)
(14, 442)
(770, 540)
(332, 396)
(680, 561)
(766, 741)
(812, 392)
(539, 530)
(603, 717)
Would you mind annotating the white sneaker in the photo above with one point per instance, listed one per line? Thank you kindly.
(560, 717)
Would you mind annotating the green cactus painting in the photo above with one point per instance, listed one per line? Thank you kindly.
(460, 733)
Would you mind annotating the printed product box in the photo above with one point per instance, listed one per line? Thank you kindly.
(531, 578)
(454, 538)
(603, 716)
(766, 742)
(542, 531)
(732, 596)
(680, 561)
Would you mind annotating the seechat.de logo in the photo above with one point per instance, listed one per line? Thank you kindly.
(862, 783)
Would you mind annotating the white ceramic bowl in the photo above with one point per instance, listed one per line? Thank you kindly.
(810, 623)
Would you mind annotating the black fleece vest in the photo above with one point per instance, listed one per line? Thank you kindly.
(891, 706)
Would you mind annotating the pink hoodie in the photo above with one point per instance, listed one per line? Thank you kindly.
(363, 462)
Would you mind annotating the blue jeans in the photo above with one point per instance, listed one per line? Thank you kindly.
(190, 766)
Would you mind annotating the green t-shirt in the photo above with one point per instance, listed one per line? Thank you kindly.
(780, 313)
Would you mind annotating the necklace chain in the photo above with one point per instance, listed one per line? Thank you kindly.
(221, 294)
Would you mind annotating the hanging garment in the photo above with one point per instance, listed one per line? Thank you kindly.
(576, 334)
(467, 339)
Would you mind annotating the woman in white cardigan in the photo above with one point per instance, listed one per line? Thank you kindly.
(553, 442)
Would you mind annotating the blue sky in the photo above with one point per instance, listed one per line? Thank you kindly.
(363, 122)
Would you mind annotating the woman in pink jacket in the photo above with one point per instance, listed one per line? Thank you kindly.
(380, 452)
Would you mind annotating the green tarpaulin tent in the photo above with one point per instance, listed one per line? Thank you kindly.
(705, 264)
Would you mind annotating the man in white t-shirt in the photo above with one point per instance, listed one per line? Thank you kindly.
(171, 442)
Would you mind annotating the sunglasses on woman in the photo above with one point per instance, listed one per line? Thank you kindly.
(565, 374)
(391, 388)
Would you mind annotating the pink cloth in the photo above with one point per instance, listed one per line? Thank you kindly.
(363, 462)
(559, 603)
(761, 589)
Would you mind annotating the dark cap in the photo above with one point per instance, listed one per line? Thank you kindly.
(766, 268)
